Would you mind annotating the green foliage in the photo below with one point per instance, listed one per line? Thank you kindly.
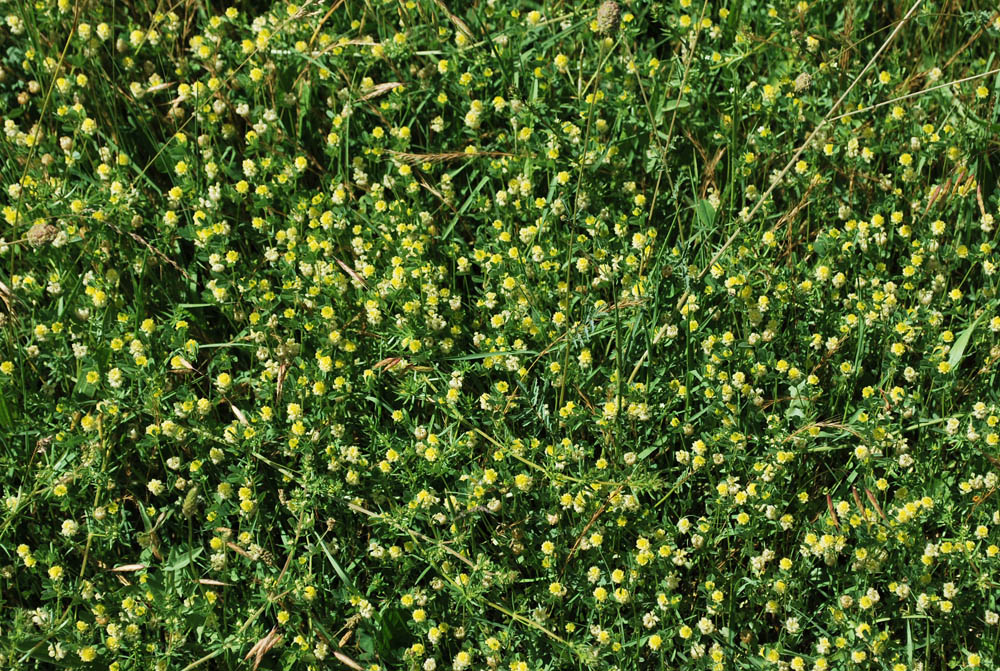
(421, 334)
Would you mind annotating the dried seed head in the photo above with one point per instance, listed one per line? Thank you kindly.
(190, 506)
(608, 15)
(39, 234)
(803, 81)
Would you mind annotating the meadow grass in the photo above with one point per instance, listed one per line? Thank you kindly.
(426, 334)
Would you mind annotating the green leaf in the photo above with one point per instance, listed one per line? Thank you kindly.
(6, 419)
(393, 634)
(705, 213)
(333, 562)
(180, 559)
(958, 349)
(797, 406)
(83, 387)
(645, 453)
(821, 245)
(366, 643)
(909, 645)
(676, 104)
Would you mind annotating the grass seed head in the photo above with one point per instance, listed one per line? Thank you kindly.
(608, 16)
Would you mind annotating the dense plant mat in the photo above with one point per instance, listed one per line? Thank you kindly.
(393, 334)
